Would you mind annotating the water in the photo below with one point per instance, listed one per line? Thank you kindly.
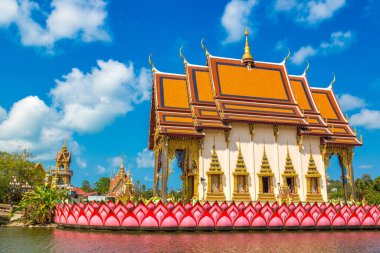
(64, 240)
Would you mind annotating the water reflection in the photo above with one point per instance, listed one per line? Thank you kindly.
(60, 240)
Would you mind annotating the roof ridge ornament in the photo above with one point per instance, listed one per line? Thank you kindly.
(182, 56)
(307, 68)
(151, 63)
(204, 48)
(332, 82)
(247, 58)
(286, 57)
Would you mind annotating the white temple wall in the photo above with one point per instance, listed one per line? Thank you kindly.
(223, 156)
(253, 153)
(240, 133)
(263, 135)
(287, 138)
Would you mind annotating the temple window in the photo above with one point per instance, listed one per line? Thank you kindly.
(314, 185)
(266, 188)
(290, 179)
(240, 174)
(215, 179)
(312, 182)
(266, 175)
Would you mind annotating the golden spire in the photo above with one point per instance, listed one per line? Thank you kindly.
(265, 167)
(247, 57)
(288, 164)
(240, 165)
(312, 168)
(214, 165)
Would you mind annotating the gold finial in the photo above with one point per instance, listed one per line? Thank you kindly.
(332, 82)
(247, 57)
(347, 118)
(308, 119)
(361, 139)
(204, 48)
(332, 128)
(182, 56)
(64, 143)
(355, 131)
(151, 63)
(327, 120)
(307, 68)
(287, 57)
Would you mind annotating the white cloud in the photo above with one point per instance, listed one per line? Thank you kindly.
(145, 159)
(90, 101)
(338, 42)
(311, 11)
(100, 169)
(82, 103)
(68, 19)
(302, 54)
(369, 119)
(322, 9)
(348, 102)
(115, 161)
(3, 113)
(81, 163)
(236, 18)
(365, 166)
(8, 11)
(285, 5)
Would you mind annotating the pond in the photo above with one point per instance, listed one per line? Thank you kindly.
(65, 240)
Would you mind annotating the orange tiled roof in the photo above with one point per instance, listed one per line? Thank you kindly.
(253, 95)
(225, 91)
(333, 116)
(202, 99)
(304, 98)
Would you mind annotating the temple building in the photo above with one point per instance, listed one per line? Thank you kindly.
(246, 130)
(61, 175)
(121, 185)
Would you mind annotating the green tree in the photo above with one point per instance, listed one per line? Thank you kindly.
(13, 166)
(86, 186)
(103, 185)
(38, 205)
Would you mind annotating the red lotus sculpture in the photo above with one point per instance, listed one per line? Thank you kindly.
(216, 216)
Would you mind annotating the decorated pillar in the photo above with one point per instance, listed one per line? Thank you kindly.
(156, 171)
(165, 168)
(343, 168)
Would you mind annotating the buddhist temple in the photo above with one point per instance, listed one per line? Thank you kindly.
(121, 185)
(61, 175)
(243, 129)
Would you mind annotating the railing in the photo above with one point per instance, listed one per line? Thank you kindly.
(216, 216)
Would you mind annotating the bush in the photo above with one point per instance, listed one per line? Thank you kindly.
(38, 205)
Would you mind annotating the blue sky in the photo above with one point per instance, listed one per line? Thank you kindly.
(78, 69)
